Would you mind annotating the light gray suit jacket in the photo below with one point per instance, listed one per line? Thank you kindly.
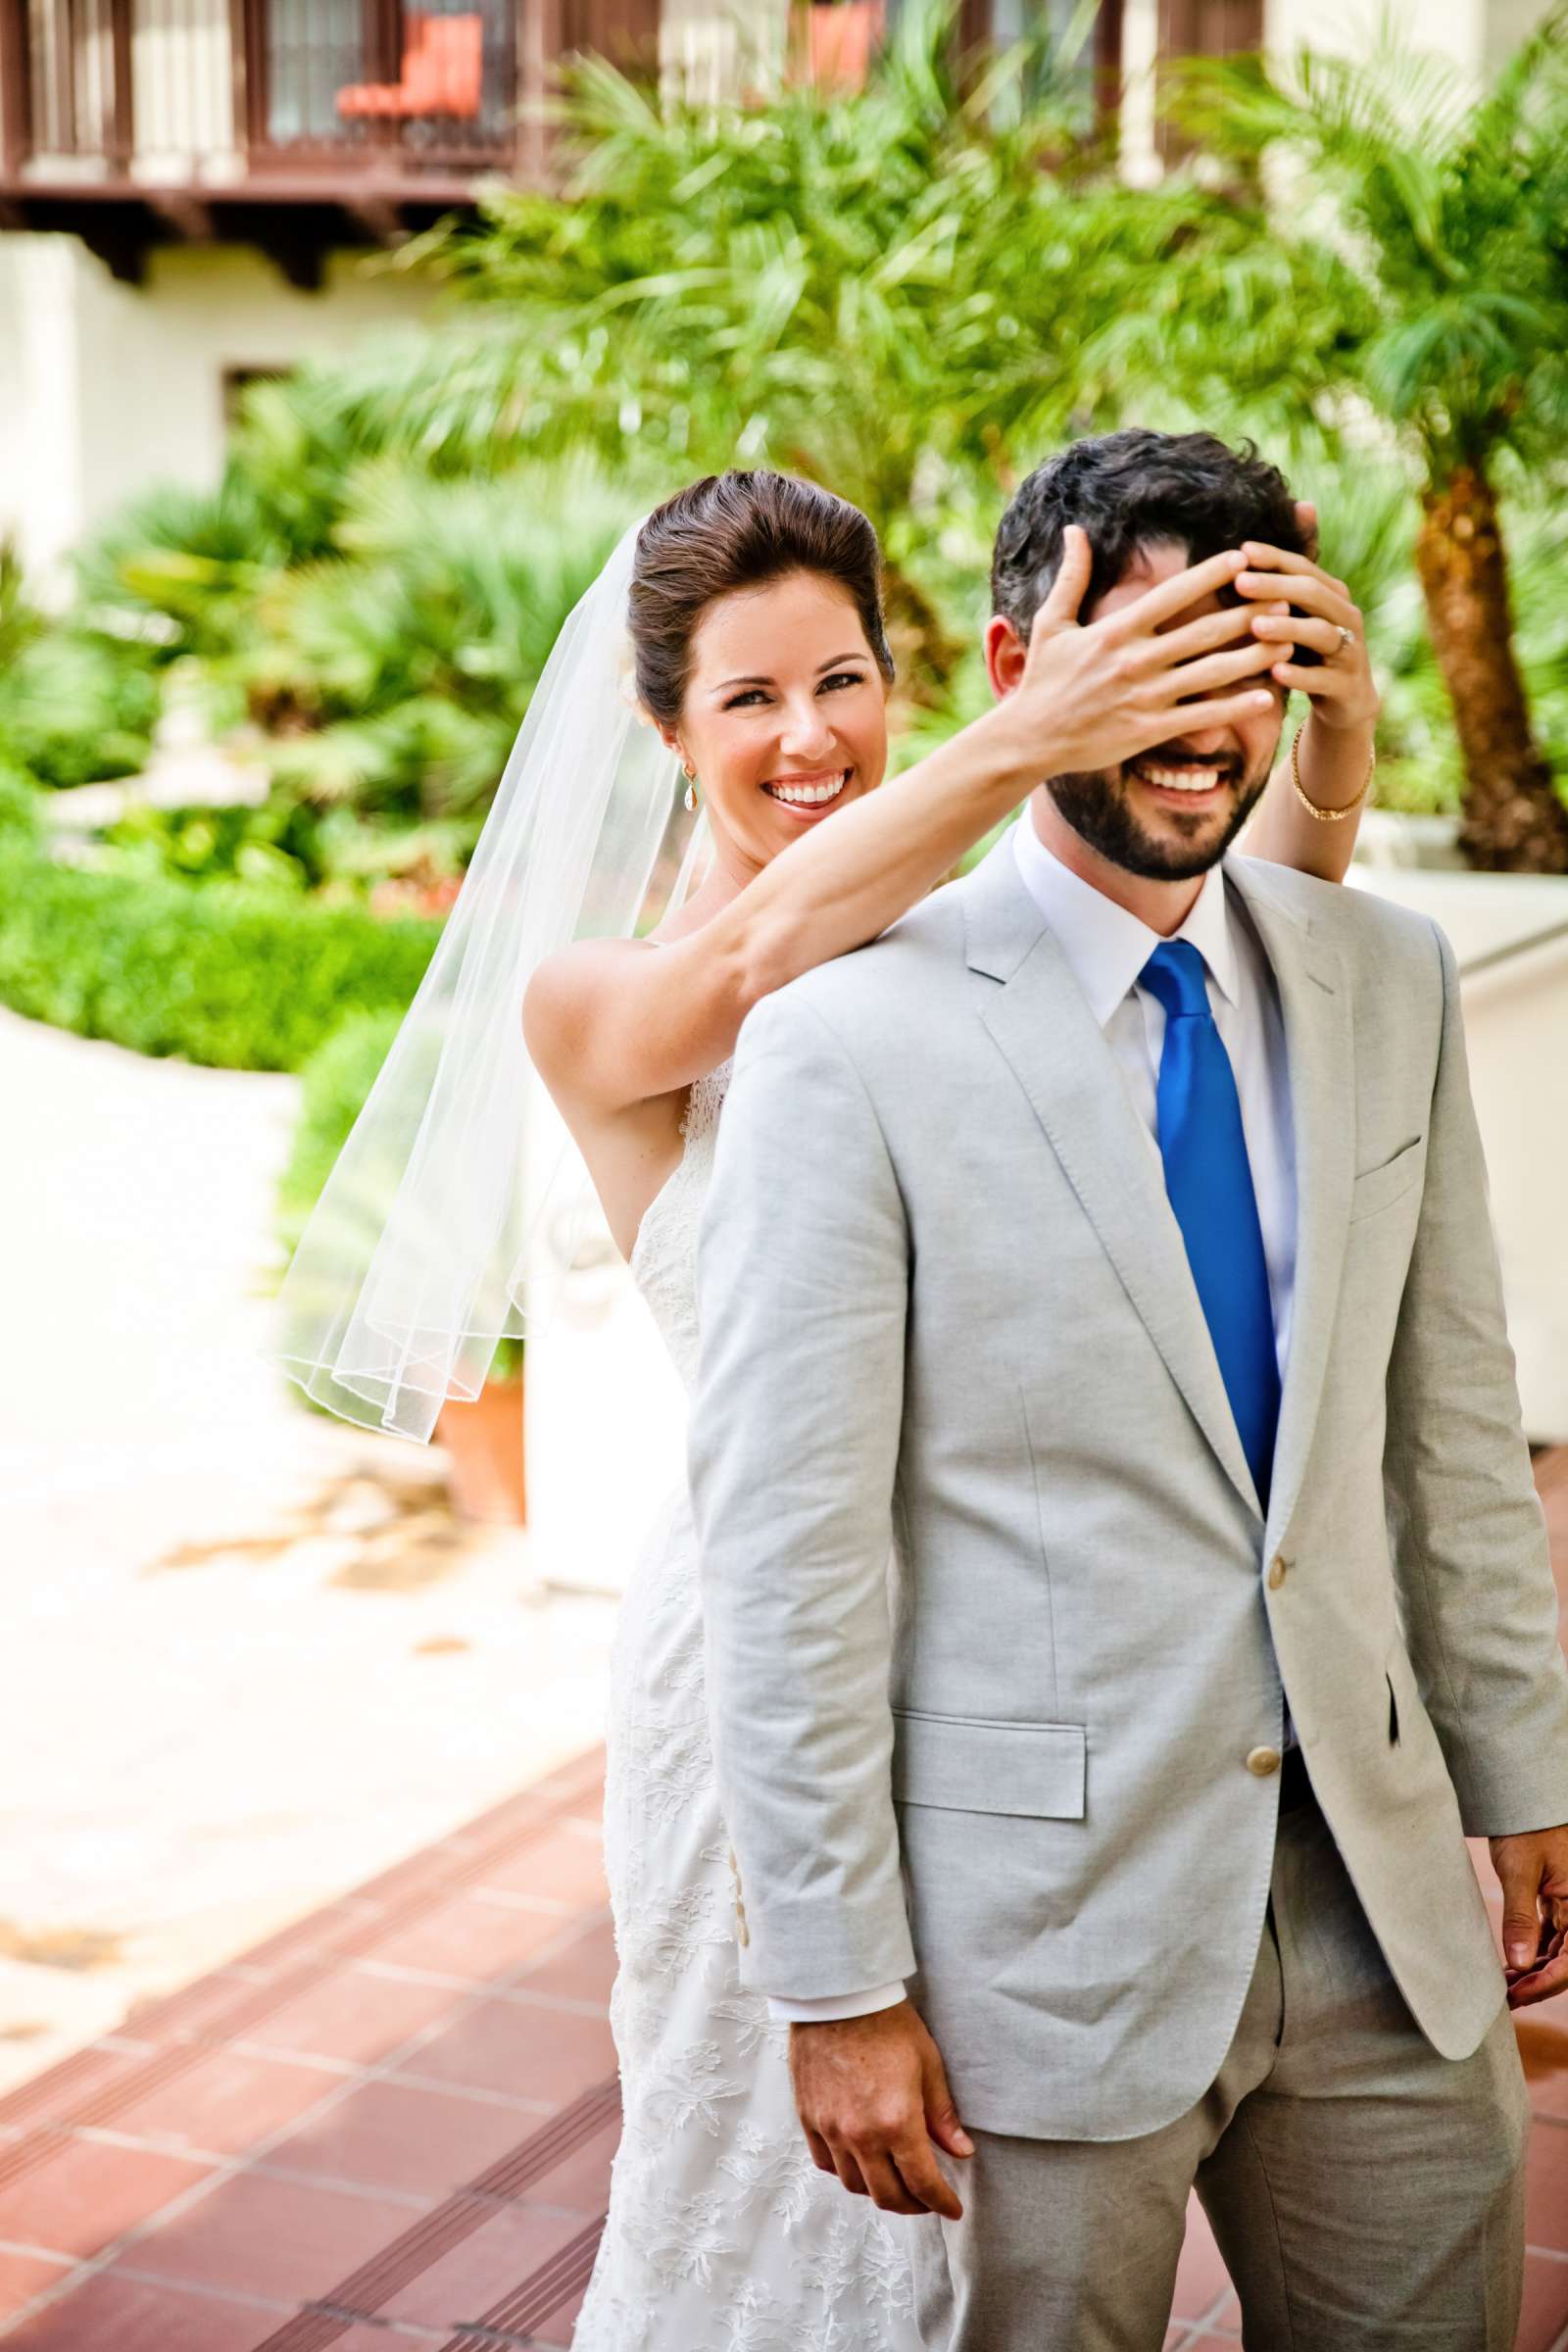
(947, 1314)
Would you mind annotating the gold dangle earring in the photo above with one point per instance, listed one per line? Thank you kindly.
(690, 774)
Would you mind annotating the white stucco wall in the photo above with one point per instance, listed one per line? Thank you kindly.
(105, 388)
(1516, 1033)
(182, 100)
(712, 50)
(1477, 35)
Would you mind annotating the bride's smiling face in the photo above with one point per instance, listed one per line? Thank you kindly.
(785, 713)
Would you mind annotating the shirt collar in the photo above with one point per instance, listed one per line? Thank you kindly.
(1107, 947)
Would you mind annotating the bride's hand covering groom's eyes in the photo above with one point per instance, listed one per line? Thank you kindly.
(1142, 675)
(1154, 668)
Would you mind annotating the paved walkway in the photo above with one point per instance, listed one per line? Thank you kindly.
(250, 1656)
(391, 2125)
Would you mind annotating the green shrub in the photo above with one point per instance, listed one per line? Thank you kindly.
(220, 973)
(183, 565)
(76, 705)
(276, 844)
(19, 809)
(290, 842)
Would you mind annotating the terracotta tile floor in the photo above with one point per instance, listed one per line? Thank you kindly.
(391, 2125)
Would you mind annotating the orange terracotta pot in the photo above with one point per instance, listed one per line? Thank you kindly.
(843, 41)
(484, 1446)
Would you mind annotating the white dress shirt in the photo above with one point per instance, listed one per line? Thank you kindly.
(1106, 948)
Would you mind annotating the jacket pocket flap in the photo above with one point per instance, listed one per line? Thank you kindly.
(1379, 1188)
(973, 1766)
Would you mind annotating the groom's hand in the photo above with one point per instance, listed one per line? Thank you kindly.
(1533, 1871)
(872, 2095)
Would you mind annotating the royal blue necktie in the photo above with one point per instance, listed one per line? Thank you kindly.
(1209, 1182)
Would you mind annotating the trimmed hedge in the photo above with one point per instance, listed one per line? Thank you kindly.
(226, 974)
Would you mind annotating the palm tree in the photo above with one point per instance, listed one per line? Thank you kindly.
(1452, 215)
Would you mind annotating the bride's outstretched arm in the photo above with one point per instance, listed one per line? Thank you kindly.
(612, 1024)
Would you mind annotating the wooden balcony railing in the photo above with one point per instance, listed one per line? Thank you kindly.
(188, 109)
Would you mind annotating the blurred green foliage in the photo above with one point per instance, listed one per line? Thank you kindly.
(1448, 204)
(399, 666)
(278, 842)
(20, 826)
(339, 856)
(387, 634)
(77, 702)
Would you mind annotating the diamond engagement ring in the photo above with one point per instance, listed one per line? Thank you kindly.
(1346, 636)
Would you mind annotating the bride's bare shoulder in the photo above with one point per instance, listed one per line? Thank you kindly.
(569, 993)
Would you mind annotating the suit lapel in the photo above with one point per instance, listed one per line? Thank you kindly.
(1045, 1031)
(1315, 1002)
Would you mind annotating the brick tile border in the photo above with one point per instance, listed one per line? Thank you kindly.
(358, 2297)
(552, 2284)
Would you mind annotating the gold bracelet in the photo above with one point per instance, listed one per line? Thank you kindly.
(1328, 816)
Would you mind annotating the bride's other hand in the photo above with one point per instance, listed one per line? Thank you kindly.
(1334, 756)
(1323, 616)
(1092, 695)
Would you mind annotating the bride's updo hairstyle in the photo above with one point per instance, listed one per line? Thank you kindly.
(733, 531)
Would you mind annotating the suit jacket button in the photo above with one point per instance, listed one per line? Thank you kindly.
(1277, 1569)
(1263, 1761)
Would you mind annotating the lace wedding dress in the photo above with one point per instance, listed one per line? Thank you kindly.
(723, 2236)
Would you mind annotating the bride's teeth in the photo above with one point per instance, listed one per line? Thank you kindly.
(810, 796)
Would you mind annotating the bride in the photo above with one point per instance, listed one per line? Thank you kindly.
(749, 608)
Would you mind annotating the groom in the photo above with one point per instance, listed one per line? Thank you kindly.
(1109, 1244)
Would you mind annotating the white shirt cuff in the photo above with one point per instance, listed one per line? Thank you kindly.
(831, 2005)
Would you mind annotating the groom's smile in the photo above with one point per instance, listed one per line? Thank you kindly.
(1193, 787)
(1172, 811)
(1168, 815)
(1189, 778)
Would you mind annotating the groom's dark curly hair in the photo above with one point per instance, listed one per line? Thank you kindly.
(1127, 490)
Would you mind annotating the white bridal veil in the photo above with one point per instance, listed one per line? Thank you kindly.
(411, 1266)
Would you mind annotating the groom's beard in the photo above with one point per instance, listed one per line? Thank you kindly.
(1099, 807)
